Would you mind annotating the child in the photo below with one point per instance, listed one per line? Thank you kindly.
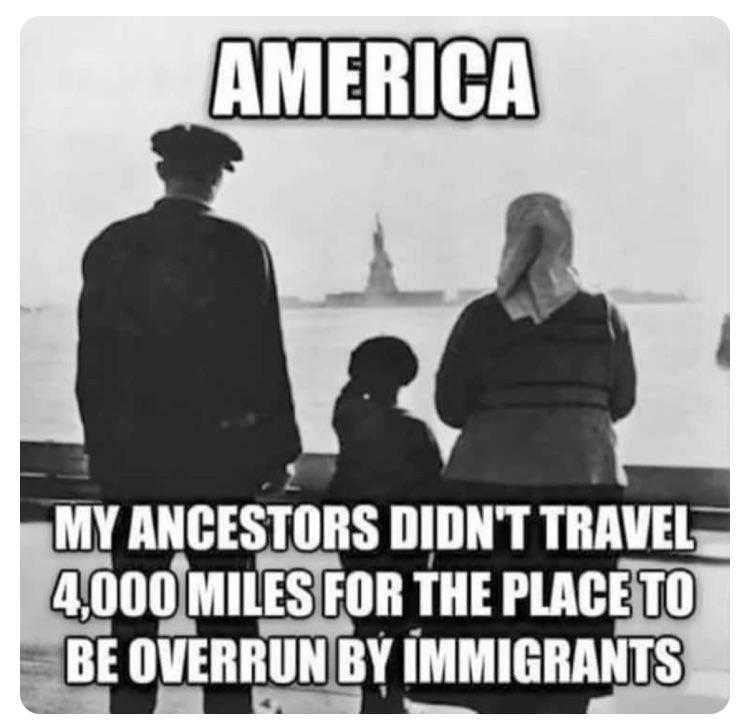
(385, 456)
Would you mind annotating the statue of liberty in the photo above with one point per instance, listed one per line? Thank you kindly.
(380, 282)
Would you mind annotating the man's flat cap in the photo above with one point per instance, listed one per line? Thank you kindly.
(196, 146)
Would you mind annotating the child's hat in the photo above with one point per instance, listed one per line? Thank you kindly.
(384, 357)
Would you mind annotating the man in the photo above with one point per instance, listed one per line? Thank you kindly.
(182, 377)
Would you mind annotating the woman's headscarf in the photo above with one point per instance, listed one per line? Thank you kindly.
(536, 273)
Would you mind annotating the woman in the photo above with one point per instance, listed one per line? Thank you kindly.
(534, 374)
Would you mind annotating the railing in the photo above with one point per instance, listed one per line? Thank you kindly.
(52, 471)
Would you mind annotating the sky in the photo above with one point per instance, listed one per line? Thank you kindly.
(633, 134)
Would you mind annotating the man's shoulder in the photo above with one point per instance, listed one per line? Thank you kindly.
(112, 243)
(109, 245)
(239, 242)
(124, 225)
(236, 230)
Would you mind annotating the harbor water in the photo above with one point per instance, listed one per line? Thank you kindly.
(681, 416)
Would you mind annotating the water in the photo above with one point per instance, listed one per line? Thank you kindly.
(681, 417)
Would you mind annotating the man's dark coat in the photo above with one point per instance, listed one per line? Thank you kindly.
(179, 333)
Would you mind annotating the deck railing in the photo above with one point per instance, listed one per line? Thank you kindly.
(53, 471)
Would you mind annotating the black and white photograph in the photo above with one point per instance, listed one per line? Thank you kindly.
(375, 365)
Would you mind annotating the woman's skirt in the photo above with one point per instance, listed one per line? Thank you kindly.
(534, 557)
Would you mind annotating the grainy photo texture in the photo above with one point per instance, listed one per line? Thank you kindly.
(375, 365)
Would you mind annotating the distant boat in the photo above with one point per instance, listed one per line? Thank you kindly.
(625, 295)
(722, 352)
(33, 309)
